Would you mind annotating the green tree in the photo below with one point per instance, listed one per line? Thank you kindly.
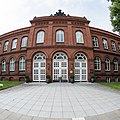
(115, 15)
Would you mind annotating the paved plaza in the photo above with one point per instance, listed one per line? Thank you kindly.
(36, 101)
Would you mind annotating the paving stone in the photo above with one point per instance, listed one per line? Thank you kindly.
(70, 100)
(24, 117)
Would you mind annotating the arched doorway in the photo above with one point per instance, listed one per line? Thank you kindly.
(39, 67)
(80, 67)
(60, 66)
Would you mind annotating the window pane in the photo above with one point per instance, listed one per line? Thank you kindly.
(97, 63)
(3, 65)
(107, 64)
(79, 37)
(113, 46)
(6, 46)
(40, 37)
(12, 64)
(24, 42)
(105, 45)
(95, 42)
(22, 63)
(14, 44)
(60, 36)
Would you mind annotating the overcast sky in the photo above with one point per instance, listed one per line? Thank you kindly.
(15, 14)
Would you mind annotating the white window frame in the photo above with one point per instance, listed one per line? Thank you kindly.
(113, 46)
(6, 45)
(24, 41)
(105, 44)
(22, 64)
(107, 64)
(95, 41)
(3, 65)
(79, 37)
(115, 66)
(97, 63)
(12, 64)
(14, 43)
(40, 37)
(60, 36)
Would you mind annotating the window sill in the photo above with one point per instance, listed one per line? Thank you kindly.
(59, 43)
(23, 48)
(79, 44)
(107, 70)
(96, 47)
(21, 70)
(97, 70)
(5, 51)
(105, 49)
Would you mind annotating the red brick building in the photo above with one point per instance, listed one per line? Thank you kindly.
(60, 45)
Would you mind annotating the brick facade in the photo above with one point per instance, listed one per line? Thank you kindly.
(50, 25)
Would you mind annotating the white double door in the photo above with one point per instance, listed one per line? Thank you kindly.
(39, 71)
(80, 70)
(60, 69)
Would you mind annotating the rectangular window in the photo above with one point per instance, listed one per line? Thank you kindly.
(60, 36)
(6, 46)
(79, 37)
(14, 44)
(40, 37)
(113, 46)
(95, 41)
(115, 66)
(24, 42)
(105, 44)
(3, 66)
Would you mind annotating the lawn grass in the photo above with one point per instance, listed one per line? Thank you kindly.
(8, 84)
(114, 85)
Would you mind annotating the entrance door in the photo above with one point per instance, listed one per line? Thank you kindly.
(60, 67)
(39, 67)
(80, 67)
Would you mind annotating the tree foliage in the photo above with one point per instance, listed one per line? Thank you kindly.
(115, 15)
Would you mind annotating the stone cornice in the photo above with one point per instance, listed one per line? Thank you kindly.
(107, 52)
(15, 33)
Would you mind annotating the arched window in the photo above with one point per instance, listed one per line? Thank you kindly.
(107, 64)
(95, 41)
(39, 57)
(105, 44)
(80, 57)
(60, 56)
(24, 42)
(12, 64)
(113, 45)
(6, 45)
(79, 37)
(80, 70)
(14, 43)
(115, 63)
(97, 63)
(40, 37)
(60, 36)
(3, 66)
(22, 64)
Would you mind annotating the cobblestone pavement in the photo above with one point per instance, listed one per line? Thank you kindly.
(78, 101)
